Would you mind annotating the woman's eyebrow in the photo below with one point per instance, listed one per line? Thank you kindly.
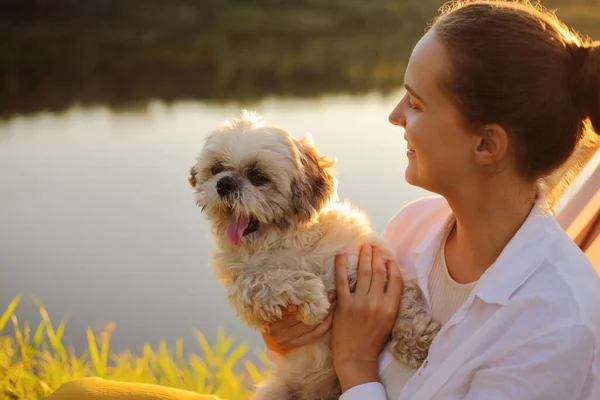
(413, 93)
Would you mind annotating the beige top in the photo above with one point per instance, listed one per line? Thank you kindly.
(446, 297)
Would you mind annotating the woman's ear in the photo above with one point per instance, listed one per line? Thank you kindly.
(492, 145)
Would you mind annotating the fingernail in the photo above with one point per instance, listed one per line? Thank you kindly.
(341, 252)
(292, 308)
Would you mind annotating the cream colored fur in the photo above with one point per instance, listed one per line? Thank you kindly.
(289, 259)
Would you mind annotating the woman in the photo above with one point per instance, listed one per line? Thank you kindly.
(498, 97)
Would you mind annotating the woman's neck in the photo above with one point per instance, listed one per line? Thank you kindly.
(486, 220)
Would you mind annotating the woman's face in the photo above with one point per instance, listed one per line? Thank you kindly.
(440, 149)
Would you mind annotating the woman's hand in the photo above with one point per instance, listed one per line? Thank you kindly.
(363, 319)
(288, 333)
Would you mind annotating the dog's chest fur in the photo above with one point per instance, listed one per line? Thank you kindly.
(310, 249)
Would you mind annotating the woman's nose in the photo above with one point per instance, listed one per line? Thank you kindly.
(397, 116)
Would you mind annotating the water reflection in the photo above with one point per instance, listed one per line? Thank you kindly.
(120, 53)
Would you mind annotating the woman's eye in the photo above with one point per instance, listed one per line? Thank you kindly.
(257, 178)
(216, 168)
(411, 104)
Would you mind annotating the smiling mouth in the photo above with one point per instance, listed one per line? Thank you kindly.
(409, 148)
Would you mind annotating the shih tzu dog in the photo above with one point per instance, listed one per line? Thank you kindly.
(270, 201)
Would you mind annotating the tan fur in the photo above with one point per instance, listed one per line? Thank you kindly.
(289, 260)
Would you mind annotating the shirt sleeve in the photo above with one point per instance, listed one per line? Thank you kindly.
(370, 390)
(556, 365)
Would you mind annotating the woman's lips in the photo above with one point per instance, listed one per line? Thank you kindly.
(410, 151)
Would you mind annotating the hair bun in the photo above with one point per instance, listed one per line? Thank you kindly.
(588, 83)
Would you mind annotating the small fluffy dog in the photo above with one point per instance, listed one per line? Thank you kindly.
(269, 199)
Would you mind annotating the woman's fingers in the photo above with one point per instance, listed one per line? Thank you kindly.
(288, 318)
(379, 273)
(365, 261)
(286, 322)
(291, 309)
(287, 336)
(341, 277)
(272, 344)
(362, 326)
(288, 329)
(395, 283)
(316, 332)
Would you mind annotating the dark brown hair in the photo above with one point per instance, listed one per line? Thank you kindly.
(517, 65)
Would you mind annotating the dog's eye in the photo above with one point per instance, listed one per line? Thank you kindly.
(257, 178)
(216, 168)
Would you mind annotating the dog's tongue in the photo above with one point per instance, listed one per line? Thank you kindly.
(236, 229)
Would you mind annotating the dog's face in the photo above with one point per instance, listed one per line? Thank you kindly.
(251, 177)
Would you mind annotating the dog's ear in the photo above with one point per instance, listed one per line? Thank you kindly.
(315, 185)
(192, 177)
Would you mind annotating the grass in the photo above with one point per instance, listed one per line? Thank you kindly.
(34, 362)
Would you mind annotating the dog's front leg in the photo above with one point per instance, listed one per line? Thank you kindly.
(310, 295)
(260, 298)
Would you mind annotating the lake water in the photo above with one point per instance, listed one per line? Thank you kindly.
(98, 221)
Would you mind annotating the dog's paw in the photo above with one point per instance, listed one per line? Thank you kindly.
(314, 310)
(412, 338)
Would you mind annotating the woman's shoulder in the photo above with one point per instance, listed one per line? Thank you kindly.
(416, 225)
(548, 280)
(567, 283)
(423, 214)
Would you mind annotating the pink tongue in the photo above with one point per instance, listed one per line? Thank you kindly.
(236, 229)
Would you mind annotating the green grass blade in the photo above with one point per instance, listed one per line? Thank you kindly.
(38, 336)
(238, 353)
(253, 371)
(208, 353)
(19, 338)
(106, 343)
(94, 355)
(9, 312)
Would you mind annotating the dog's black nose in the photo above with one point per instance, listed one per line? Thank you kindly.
(226, 185)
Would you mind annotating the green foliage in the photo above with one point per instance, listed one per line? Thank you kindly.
(34, 362)
(123, 53)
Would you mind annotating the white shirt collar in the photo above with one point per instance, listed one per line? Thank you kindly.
(513, 266)
(520, 258)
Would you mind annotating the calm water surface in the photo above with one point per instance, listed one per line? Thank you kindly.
(97, 219)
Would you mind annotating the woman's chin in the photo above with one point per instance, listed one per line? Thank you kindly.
(411, 176)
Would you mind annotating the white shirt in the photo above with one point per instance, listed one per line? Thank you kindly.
(446, 296)
(530, 329)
